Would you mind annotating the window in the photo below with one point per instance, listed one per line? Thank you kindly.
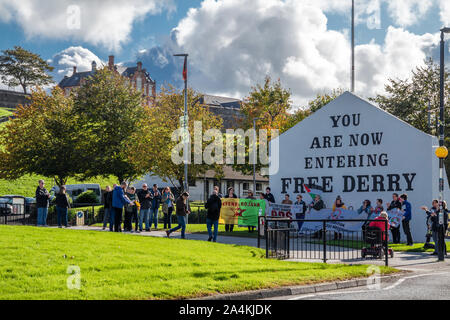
(230, 184)
(192, 183)
(245, 186)
(139, 83)
(258, 187)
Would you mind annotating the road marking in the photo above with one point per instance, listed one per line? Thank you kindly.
(397, 283)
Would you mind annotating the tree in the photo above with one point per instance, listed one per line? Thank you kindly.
(113, 120)
(408, 99)
(164, 121)
(270, 102)
(21, 67)
(323, 99)
(42, 139)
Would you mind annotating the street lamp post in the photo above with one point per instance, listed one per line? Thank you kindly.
(254, 156)
(441, 152)
(185, 55)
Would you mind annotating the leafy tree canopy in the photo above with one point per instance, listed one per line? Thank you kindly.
(19, 67)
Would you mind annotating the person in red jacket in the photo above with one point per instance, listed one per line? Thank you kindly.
(380, 223)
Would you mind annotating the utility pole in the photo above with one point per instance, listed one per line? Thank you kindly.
(352, 88)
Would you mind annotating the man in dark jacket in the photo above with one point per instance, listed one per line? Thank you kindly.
(301, 212)
(406, 209)
(156, 201)
(317, 203)
(107, 205)
(182, 211)
(212, 217)
(145, 199)
(395, 204)
(42, 200)
(118, 201)
(269, 196)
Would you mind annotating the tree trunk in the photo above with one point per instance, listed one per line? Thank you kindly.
(60, 181)
(24, 87)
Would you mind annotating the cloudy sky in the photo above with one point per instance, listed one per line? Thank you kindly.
(234, 44)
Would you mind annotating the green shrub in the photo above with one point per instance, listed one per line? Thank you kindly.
(87, 197)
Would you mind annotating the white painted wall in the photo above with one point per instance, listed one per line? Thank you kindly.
(408, 151)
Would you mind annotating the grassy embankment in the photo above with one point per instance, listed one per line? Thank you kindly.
(35, 261)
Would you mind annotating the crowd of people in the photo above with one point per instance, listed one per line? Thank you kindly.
(142, 208)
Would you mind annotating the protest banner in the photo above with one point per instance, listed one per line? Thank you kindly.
(243, 212)
(332, 217)
(249, 210)
(395, 217)
(333, 222)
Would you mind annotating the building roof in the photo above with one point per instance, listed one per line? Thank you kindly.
(221, 101)
(75, 79)
(230, 174)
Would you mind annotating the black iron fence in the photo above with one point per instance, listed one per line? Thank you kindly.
(283, 240)
(23, 214)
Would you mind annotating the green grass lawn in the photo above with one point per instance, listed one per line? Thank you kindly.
(416, 247)
(35, 260)
(201, 229)
(5, 112)
(237, 231)
(26, 185)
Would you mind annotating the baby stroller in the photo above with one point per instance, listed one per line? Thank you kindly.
(374, 237)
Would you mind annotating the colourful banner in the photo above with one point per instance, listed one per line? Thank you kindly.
(289, 211)
(243, 212)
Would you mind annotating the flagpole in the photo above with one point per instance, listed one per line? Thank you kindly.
(353, 48)
(186, 184)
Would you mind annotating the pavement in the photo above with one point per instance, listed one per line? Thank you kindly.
(422, 277)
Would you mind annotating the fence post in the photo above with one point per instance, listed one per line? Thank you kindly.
(386, 249)
(266, 235)
(257, 230)
(324, 233)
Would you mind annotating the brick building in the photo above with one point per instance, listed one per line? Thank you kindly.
(139, 78)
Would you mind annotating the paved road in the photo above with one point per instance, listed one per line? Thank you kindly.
(425, 281)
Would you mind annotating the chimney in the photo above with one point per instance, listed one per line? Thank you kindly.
(74, 70)
(111, 62)
(94, 65)
(139, 66)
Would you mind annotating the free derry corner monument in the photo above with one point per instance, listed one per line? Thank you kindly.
(356, 150)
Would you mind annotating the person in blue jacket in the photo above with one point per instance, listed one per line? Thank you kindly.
(406, 209)
(119, 199)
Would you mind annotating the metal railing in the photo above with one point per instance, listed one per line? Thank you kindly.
(22, 214)
(283, 240)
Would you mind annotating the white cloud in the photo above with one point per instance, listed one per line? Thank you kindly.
(444, 7)
(401, 52)
(408, 12)
(107, 23)
(79, 57)
(234, 44)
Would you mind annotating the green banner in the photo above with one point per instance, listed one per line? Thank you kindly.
(249, 210)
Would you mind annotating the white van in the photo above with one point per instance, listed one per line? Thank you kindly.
(74, 190)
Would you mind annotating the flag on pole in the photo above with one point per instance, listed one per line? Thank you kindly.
(185, 69)
(313, 191)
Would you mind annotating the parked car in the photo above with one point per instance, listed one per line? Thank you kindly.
(15, 204)
(6, 207)
(74, 190)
